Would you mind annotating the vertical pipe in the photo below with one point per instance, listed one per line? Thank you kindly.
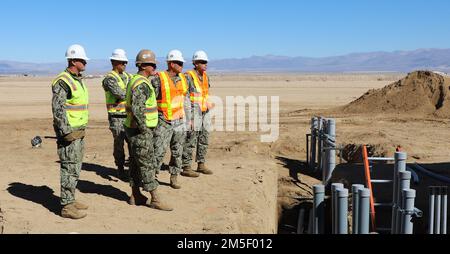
(331, 152)
(444, 210)
(319, 145)
(310, 221)
(437, 211)
(301, 221)
(404, 180)
(355, 207)
(318, 209)
(408, 204)
(314, 125)
(334, 187)
(364, 211)
(431, 211)
(399, 166)
(325, 151)
(342, 212)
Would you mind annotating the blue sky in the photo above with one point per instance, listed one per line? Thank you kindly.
(40, 31)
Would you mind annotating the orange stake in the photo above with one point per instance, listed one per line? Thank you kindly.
(369, 185)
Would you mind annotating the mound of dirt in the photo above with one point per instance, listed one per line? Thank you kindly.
(420, 93)
(352, 153)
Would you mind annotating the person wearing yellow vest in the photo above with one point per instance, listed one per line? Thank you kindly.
(198, 135)
(174, 112)
(115, 86)
(70, 118)
(142, 118)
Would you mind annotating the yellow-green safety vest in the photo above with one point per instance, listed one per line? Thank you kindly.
(151, 110)
(77, 106)
(114, 105)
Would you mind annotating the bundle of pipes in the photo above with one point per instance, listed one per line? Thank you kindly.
(403, 209)
(321, 151)
(437, 222)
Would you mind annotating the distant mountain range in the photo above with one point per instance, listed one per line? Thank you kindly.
(397, 61)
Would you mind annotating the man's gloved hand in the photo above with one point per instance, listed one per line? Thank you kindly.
(79, 134)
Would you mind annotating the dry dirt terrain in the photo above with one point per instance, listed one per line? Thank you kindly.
(255, 187)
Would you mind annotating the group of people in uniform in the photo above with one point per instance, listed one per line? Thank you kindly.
(148, 111)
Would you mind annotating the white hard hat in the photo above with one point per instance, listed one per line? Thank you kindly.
(200, 56)
(119, 55)
(76, 52)
(175, 55)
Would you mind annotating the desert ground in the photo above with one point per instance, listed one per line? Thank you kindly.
(254, 187)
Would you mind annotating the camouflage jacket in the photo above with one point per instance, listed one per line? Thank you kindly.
(156, 83)
(196, 111)
(61, 93)
(138, 98)
(110, 84)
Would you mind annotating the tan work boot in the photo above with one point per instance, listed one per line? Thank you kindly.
(156, 202)
(174, 182)
(80, 206)
(71, 212)
(203, 169)
(137, 198)
(188, 172)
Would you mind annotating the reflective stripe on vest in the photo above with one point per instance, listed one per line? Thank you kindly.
(77, 106)
(201, 95)
(151, 111)
(113, 105)
(172, 97)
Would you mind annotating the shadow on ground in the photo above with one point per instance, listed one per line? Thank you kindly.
(103, 172)
(296, 167)
(104, 190)
(42, 195)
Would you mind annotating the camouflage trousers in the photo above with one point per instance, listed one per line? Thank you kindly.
(118, 131)
(142, 159)
(197, 138)
(174, 135)
(71, 159)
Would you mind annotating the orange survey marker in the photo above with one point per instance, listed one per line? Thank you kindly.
(369, 185)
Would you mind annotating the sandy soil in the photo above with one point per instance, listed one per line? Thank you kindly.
(254, 183)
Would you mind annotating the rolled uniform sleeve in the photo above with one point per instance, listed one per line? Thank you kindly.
(187, 104)
(61, 93)
(110, 84)
(156, 83)
(139, 96)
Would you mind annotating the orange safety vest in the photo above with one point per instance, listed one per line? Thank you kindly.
(171, 103)
(200, 95)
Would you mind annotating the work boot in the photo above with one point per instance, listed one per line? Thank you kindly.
(188, 172)
(71, 212)
(203, 169)
(156, 202)
(80, 206)
(174, 182)
(121, 174)
(137, 198)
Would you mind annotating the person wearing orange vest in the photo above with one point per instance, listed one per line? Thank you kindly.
(174, 112)
(115, 86)
(198, 135)
(70, 118)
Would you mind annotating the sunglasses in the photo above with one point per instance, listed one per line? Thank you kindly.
(81, 61)
(178, 63)
(201, 62)
(149, 64)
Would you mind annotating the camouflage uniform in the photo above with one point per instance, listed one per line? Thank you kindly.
(170, 132)
(142, 157)
(70, 153)
(116, 120)
(198, 135)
